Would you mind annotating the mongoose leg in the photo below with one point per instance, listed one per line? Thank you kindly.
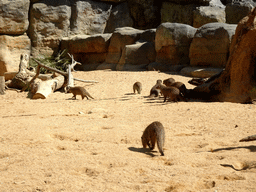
(153, 142)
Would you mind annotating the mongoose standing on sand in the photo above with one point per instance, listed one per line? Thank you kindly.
(172, 93)
(152, 134)
(137, 87)
(79, 91)
(154, 92)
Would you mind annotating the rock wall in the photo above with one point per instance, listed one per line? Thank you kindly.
(43, 24)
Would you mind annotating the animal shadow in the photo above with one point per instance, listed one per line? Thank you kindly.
(252, 148)
(146, 151)
(130, 94)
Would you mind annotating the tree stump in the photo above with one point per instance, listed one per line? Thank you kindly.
(237, 83)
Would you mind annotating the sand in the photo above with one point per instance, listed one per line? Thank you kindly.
(60, 144)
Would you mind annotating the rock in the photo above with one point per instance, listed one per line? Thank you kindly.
(105, 66)
(86, 43)
(121, 37)
(87, 67)
(200, 72)
(114, 1)
(208, 14)
(162, 67)
(139, 53)
(177, 13)
(119, 17)
(49, 22)
(89, 17)
(185, 2)
(148, 35)
(87, 49)
(128, 67)
(235, 11)
(172, 43)
(11, 48)
(146, 14)
(14, 17)
(210, 45)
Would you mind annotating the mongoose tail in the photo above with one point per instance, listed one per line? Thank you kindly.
(249, 138)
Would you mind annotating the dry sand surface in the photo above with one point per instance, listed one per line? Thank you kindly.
(60, 144)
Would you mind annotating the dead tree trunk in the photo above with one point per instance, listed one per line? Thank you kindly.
(237, 83)
(2, 85)
(22, 77)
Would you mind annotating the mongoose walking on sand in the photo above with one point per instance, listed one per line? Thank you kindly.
(154, 92)
(137, 87)
(154, 133)
(172, 93)
(171, 83)
(168, 82)
(79, 91)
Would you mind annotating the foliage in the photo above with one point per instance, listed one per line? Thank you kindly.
(59, 62)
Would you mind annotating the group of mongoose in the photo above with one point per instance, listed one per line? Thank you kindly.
(169, 88)
(154, 133)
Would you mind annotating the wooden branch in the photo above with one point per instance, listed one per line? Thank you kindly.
(70, 77)
(50, 68)
(73, 62)
(86, 81)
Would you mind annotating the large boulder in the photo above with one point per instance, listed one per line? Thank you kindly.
(49, 22)
(185, 2)
(138, 53)
(89, 17)
(177, 13)
(237, 10)
(188, 12)
(14, 17)
(146, 14)
(11, 48)
(119, 39)
(208, 14)
(172, 43)
(119, 17)
(210, 45)
(87, 48)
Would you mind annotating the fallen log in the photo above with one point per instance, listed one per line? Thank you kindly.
(45, 88)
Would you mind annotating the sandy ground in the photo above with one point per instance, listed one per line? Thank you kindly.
(60, 144)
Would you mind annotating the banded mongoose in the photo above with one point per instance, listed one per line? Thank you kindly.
(137, 87)
(168, 82)
(153, 91)
(181, 86)
(79, 91)
(172, 93)
(154, 133)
